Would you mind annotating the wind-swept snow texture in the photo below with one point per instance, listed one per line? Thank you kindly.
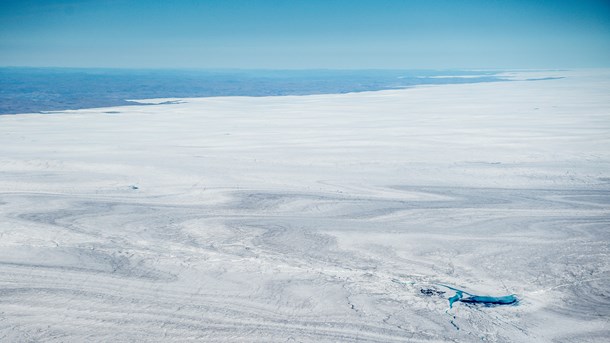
(326, 218)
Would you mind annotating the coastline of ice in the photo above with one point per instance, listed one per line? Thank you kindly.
(312, 218)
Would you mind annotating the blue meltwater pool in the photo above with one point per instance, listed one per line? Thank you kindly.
(480, 299)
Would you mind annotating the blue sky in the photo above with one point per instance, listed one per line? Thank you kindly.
(434, 34)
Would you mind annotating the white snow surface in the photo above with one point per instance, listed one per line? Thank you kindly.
(312, 218)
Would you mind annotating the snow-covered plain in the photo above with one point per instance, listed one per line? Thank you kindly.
(313, 218)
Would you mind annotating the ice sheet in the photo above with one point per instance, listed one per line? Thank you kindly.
(313, 218)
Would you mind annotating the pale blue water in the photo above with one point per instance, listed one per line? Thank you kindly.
(54, 89)
(480, 299)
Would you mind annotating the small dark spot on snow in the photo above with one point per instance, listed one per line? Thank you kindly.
(430, 292)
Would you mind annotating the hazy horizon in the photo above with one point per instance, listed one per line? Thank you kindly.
(353, 35)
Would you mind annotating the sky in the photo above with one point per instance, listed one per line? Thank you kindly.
(306, 34)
